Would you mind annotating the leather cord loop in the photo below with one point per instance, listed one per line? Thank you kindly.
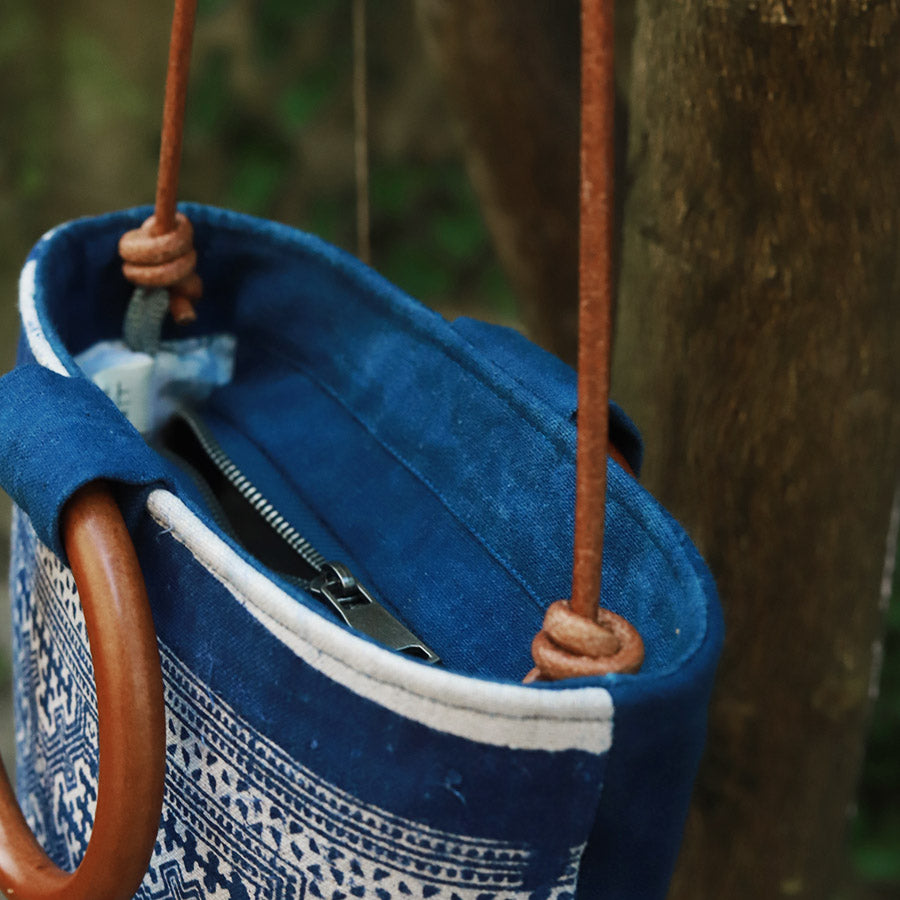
(147, 248)
(572, 646)
(166, 229)
(157, 259)
(131, 720)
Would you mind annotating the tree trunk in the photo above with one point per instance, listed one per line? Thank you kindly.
(757, 347)
(512, 71)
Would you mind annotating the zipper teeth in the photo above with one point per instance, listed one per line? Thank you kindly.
(212, 502)
(251, 494)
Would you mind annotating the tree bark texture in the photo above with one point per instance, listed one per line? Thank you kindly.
(511, 70)
(758, 340)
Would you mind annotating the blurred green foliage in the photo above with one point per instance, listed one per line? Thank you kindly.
(272, 119)
(876, 829)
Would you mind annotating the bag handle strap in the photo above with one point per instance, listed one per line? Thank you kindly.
(131, 721)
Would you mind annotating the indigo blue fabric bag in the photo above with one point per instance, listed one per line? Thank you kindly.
(307, 757)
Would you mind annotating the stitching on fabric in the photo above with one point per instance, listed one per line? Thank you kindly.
(494, 554)
(410, 327)
(240, 595)
(683, 578)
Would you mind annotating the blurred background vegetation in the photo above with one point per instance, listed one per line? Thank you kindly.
(270, 132)
(876, 829)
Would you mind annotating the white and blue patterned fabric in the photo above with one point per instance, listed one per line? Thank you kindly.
(305, 760)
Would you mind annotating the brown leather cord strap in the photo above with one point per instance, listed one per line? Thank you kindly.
(578, 638)
(161, 252)
(131, 721)
(595, 301)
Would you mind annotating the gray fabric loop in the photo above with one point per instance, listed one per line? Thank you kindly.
(142, 329)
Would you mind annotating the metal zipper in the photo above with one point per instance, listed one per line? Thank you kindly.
(331, 582)
(254, 498)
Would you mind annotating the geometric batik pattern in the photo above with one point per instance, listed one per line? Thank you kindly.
(241, 819)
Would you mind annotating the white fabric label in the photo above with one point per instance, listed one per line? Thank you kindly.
(124, 376)
(148, 388)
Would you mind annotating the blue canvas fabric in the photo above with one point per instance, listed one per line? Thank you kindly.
(62, 433)
(437, 460)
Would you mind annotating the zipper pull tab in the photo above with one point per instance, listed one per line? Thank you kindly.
(338, 587)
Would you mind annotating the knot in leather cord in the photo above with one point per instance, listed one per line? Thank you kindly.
(153, 258)
(160, 254)
(572, 646)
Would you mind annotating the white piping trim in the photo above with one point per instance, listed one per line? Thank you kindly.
(31, 323)
(505, 715)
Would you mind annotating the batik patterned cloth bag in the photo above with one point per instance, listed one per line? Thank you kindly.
(436, 461)
(312, 423)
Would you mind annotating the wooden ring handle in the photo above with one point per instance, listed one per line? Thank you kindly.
(131, 721)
